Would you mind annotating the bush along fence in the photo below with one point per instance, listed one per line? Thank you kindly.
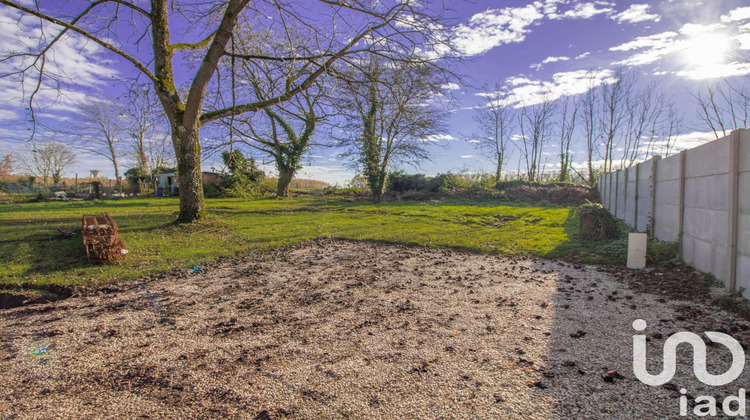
(699, 198)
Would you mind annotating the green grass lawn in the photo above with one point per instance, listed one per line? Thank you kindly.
(31, 252)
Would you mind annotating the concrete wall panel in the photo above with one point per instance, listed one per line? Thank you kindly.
(709, 192)
(743, 234)
(667, 231)
(668, 168)
(630, 204)
(743, 274)
(708, 159)
(708, 225)
(622, 195)
(745, 151)
(668, 192)
(720, 267)
(744, 192)
(703, 258)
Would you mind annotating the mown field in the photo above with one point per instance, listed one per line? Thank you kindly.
(33, 253)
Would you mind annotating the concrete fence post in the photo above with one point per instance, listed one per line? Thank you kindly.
(733, 215)
(654, 183)
(605, 189)
(637, 196)
(613, 196)
(681, 200)
(625, 199)
(617, 193)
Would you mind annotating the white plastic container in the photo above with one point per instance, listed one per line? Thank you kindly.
(637, 250)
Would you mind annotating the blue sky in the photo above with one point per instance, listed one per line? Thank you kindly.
(546, 47)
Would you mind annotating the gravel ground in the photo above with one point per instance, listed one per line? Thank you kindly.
(333, 329)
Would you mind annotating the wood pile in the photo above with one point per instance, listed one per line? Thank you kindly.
(101, 240)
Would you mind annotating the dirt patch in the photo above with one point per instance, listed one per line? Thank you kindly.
(13, 297)
(335, 329)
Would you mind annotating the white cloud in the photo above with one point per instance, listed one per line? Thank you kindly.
(467, 156)
(515, 81)
(654, 46)
(439, 137)
(738, 14)
(450, 86)
(586, 10)
(584, 55)
(8, 115)
(562, 84)
(744, 41)
(695, 52)
(697, 29)
(78, 64)
(494, 27)
(716, 71)
(549, 60)
(651, 41)
(636, 13)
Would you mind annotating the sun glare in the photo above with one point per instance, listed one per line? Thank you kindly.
(706, 49)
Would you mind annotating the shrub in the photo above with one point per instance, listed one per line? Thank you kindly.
(398, 181)
(658, 252)
(211, 190)
(135, 177)
(244, 177)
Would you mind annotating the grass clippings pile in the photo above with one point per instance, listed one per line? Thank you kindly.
(335, 329)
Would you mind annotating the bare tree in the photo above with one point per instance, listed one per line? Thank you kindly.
(588, 104)
(535, 123)
(724, 106)
(147, 126)
(568, 116)
(388, 117)
(49, 160)
(674, 120)
(643, 120)
(283, 132)
(614, 111)
(495, 120)
(285, 136)
(398, 30)
(99, 129)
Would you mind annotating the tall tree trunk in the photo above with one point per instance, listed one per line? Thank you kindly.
(378, 185)
(142, 157)
(499, 169)
(285, 178)
(117, 174)
(190, 180)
